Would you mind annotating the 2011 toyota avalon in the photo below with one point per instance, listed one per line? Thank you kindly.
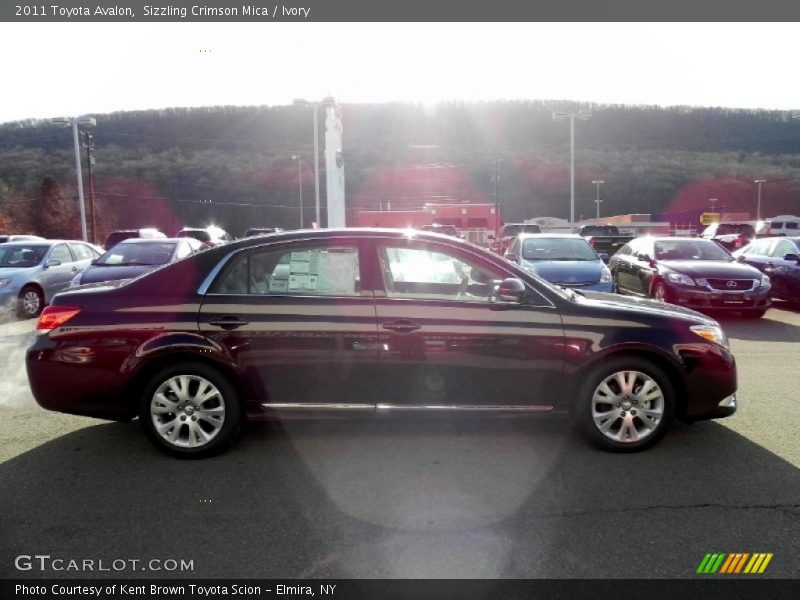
(694, 272)
(365, 321)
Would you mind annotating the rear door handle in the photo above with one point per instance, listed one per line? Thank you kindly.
(370, 346)
(228, 323)
(402, 326)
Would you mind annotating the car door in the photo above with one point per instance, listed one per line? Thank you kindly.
(619, 266)
(59, 268)
(782, 273)
(84, 255)
(642, 268)
(757, 254)
(446, 343)
(294, 319)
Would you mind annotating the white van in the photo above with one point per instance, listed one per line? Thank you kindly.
(784, 225)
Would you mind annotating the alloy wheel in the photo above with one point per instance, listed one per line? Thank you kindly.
(628, 406)
(187, 411)
(31, 303)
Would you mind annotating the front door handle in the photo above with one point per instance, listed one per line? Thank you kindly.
(74, 269)
(228, 323)
(402, 326)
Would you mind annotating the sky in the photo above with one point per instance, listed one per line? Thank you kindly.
(55, 69)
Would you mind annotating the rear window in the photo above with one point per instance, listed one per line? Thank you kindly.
(729, 228)
(116, 237)
(512, 230)
(599, 230)
(200, 235)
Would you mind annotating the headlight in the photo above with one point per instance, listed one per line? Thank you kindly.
(76, 281)
(680, 278)
(764, 281)
(605, 275)
(4, 282)
(712, 333)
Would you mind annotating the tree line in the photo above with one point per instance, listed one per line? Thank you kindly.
(233, 166)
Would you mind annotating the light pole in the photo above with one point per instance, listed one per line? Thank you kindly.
(496, 198)
(314, 106)
(85, 121)
(300, 184)
(583, 116)
(758, 201)
(597, 200)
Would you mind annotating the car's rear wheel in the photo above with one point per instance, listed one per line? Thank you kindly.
(190, 410)
(625, 405)
(30, 303)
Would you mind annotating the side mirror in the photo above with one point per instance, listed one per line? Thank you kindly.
(604, 257)
(93, 262)
(740, 258)
(511, 290)
(648, 259)
(791, 256)
(53, 262)
(511, 256)
(490, 237)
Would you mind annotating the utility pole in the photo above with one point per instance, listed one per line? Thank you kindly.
(86, 121)
(583, 116)
(88, 143)
(300, 185)
(496, 199)
(758, 201)
(597, 200)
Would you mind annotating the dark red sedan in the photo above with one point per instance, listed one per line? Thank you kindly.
(371, 321)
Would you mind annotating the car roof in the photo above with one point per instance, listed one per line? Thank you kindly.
(44, 242)
(151, 240)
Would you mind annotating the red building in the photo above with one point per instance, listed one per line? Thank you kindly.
(473, 221)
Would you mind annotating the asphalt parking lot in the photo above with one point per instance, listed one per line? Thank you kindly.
(441, 497)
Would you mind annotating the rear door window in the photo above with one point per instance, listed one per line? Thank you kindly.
(61, 253)
(302, 271)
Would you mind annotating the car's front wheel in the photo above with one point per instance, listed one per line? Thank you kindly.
(661, 292)
(190, 410)
(30, 303)
(625, 405)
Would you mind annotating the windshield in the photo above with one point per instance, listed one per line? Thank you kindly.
(691, 250)
(557, 249)
(157, 253)
(21, 256)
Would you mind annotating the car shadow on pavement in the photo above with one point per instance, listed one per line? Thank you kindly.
(397, 498)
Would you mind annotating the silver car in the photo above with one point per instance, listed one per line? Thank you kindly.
(31, 273)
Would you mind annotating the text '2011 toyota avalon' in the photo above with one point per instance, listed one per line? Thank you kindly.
(371, 321)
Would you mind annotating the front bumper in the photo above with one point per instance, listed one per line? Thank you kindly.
(8, 298)
(700, 298)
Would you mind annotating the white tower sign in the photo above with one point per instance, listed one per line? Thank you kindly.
(334, 164)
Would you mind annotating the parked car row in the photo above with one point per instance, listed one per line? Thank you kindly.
(698, 273)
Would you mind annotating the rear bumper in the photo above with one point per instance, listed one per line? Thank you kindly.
(76, 381)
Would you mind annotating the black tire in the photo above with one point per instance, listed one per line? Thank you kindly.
(583, 409)
(754, 314)
(185, 446)
(25, 303)
(660, 288)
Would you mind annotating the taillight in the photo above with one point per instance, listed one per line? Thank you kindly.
(54, 317)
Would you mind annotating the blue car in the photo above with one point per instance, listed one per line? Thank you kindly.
(32, 272)
(563, 259)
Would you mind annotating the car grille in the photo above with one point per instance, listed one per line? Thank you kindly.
(732, 285)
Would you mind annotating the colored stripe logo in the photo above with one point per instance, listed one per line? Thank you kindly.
(734, 563)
